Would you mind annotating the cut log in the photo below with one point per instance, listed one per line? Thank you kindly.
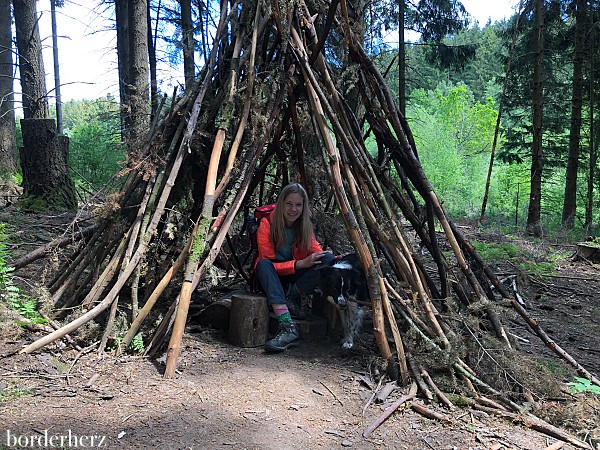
(217, 315)
(588, 251)
(249, 320)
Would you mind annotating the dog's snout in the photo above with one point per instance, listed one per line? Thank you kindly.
(342, 302)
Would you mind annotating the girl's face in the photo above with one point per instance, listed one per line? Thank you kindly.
(292, 208)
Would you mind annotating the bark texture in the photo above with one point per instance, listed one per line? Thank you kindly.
(46, 182)
(570, 197)
(188, 47)
(31, 64)
(8, 145)
(132, 50)
(534, 225)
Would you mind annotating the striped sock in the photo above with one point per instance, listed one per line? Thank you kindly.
(282, 313)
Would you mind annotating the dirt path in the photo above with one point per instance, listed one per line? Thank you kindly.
(227, 398)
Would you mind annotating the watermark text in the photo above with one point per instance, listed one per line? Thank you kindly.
(46, 439)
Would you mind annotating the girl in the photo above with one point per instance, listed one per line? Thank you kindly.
(288, 256)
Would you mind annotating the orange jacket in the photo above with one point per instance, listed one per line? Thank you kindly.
(266, 249)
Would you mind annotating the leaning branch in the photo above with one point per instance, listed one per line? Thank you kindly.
(44, 250)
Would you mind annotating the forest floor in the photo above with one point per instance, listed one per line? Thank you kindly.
(313, 396)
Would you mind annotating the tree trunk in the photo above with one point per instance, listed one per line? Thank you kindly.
(152, 65)
(593, 154)
(123, 59)
(58, 97)
(499, 118)
(31, 64)
(44, 156)
(46, 183)
(132, 51)
(570, 200)
(138, 50)
(8, 145)
(187, 33)
(401, 58)
(533, 217)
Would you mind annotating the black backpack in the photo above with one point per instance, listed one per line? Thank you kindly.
(252, 224)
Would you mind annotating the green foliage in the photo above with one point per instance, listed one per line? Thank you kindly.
(9, 292)
(479, 73)
(495, 253)
(443, 118)
(27, 307)
(12, 392)
(454, 133)
(19, 132)
(554, 366)
(539, 269)
(95, 151)
(583, 385)
(5, 278)
(136, 346)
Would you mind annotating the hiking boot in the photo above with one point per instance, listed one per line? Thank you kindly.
(287, 337)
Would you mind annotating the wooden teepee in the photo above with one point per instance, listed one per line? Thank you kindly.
(267, 103)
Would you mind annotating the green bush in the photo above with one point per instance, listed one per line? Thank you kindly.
(453, 134)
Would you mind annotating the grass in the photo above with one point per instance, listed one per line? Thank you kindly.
(12, 392)
(555, 367)
(497, 253)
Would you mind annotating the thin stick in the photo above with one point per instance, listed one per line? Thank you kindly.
(44, 250)
(412, 393)
(440, 395)
(426, 412)
(331, 392)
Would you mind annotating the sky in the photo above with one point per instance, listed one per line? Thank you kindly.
(87, 54)
(496, 10)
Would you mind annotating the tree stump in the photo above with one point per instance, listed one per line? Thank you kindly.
(44, 162)
(589, 251)
(249, 320)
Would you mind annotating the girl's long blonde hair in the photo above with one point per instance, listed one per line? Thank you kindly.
(302, 228)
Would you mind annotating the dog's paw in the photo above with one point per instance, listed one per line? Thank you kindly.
(348, 344)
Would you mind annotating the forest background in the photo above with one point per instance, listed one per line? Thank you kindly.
(452, 105)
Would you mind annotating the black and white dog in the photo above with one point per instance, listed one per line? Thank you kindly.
(340, 281)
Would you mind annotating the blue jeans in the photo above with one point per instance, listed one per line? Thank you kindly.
(274, 286)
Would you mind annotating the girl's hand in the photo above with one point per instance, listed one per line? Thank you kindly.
(311, 260)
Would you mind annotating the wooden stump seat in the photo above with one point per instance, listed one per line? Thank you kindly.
(249, 319)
